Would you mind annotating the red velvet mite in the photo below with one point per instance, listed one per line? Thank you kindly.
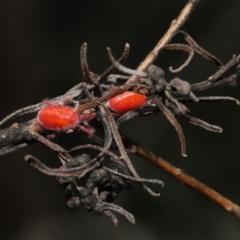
(59, 118)
(127, 101)
(62, 118)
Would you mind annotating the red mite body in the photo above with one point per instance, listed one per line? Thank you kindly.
(58, 118)
(127, 101)
(62, 118)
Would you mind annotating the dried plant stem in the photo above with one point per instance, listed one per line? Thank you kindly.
(175, 26)
(182, 177)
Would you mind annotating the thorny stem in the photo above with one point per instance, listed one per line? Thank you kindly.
(182, 177)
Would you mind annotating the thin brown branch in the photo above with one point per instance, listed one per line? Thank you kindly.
(182, 177)
(175, 26)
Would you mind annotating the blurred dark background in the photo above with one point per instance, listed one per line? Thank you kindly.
(39, 56)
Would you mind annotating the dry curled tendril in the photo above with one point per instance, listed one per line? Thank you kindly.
(86, 180)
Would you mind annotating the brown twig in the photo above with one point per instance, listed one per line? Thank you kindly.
(175, 26)
(182, 177)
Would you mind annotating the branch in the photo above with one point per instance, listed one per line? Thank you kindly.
(175, 26)
(182, 177)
